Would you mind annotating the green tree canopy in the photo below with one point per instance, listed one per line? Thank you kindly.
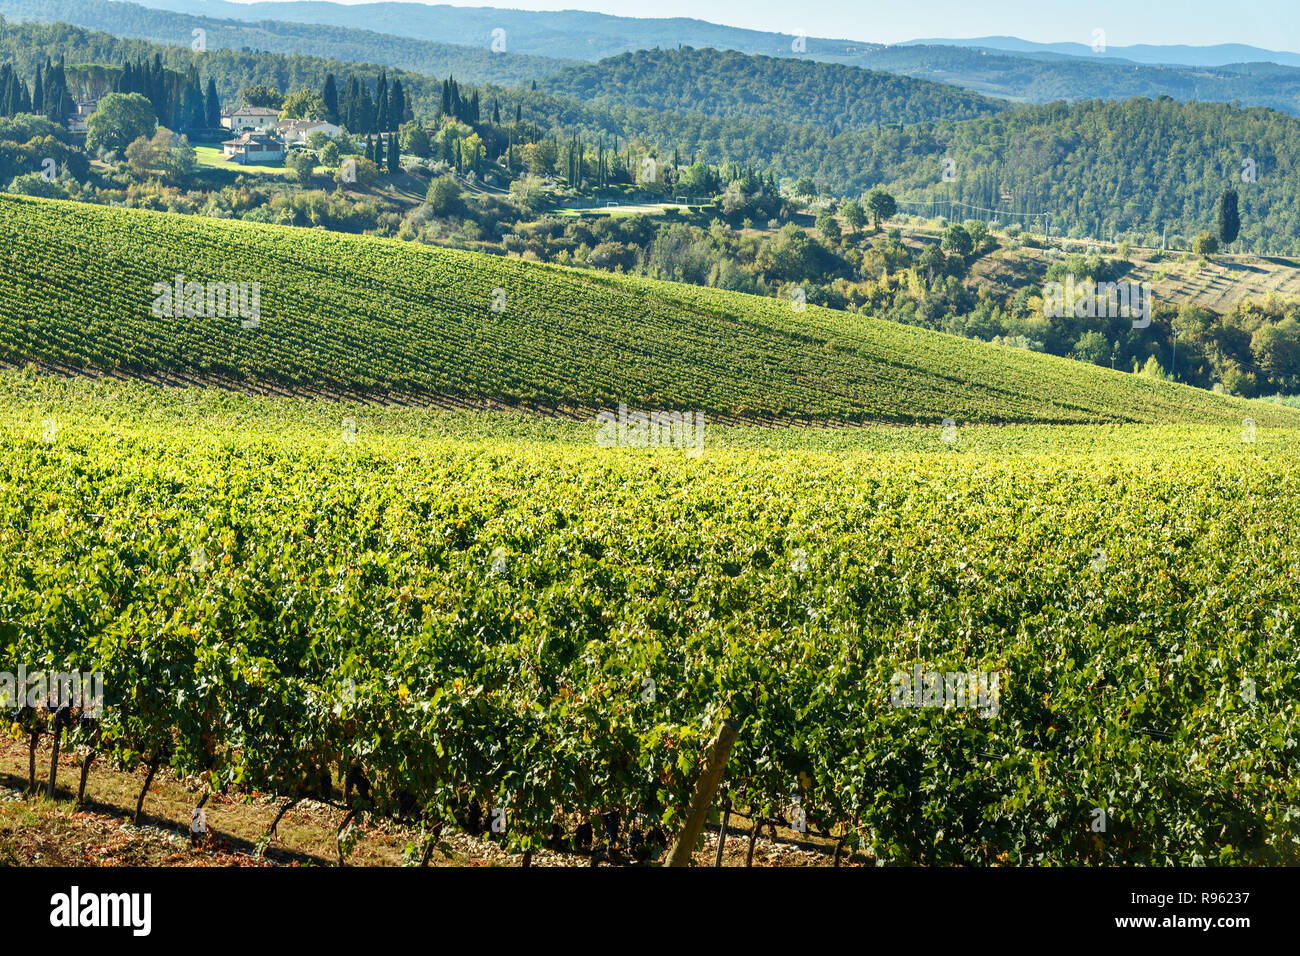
(957, 241)
(443, 195)
(261, 95)
(303, 165)
(854, 215)
(792, 256)
(881, 205)
(120, 120)
(414, 140)
(828, 225)
(304, 104)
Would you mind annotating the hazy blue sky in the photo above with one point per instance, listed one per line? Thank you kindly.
(1272, 24)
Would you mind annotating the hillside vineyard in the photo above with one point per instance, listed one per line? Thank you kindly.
(440, 436)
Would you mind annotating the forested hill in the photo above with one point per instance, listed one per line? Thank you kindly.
(474, 64)
(1136, 167)
(586, 36)
(802, 92)
(1103, 167)
(1098, 168)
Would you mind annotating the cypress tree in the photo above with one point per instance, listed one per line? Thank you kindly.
(331, 98)
(366, 111)
(1229, 218)
(50, 93)
(212, 105)
(381, 103)
(193, 110)
(354, 106)
(398, 109)
(158, 88)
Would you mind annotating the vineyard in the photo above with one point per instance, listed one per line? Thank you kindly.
(443, 617)
(394, 321)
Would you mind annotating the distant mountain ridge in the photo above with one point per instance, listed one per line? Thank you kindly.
(584, 35)
(1216, 55)
(570, 34)
(1038, 73)
(475, 64)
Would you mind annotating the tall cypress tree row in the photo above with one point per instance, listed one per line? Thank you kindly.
(15, 98)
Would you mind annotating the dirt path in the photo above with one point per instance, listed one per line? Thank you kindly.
(36, 831)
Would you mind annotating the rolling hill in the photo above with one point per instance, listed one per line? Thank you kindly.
(727, 83)
(82, 286)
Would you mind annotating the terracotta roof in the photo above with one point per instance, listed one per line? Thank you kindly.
(253, 139)
(250, 110)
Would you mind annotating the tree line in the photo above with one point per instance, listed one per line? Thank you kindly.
(179, 100)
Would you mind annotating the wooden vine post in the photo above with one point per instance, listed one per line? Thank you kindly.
(715, 760)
